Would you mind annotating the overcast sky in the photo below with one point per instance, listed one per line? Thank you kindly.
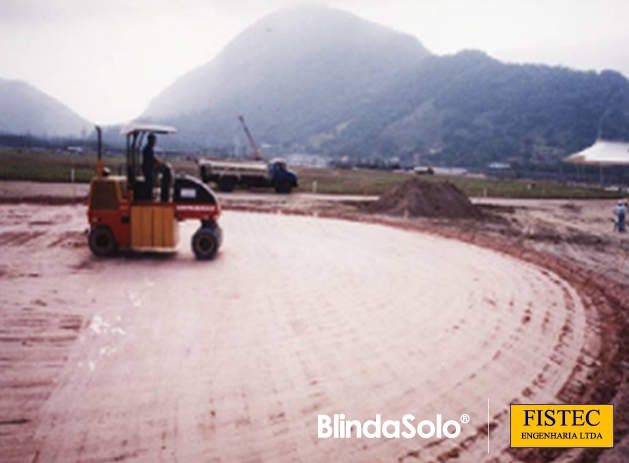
(107, 59)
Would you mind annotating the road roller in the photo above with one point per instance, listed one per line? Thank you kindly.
(124, 214)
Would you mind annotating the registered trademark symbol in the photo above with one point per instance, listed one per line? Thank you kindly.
(465, 419)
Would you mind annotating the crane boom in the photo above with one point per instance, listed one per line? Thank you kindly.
(257, 156)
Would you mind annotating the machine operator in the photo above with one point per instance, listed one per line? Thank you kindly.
(150, 164)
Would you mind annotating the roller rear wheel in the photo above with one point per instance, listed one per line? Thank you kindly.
(206, 242)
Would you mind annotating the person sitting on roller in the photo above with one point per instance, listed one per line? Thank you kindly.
(150, 164)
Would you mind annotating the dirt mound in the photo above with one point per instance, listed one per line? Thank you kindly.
(419, 198)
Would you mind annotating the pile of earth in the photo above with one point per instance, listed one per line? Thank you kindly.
(419, 198)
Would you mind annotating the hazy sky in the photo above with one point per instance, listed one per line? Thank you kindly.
(107, 59)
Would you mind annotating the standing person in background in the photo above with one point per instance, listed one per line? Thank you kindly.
(621, 215)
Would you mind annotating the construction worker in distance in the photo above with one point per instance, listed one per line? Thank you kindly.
(620, 211)
(149, 165)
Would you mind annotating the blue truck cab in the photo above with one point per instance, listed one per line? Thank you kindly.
(280, 176)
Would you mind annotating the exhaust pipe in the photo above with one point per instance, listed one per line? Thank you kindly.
(99, 162)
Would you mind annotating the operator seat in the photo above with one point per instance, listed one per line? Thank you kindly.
(140, 186)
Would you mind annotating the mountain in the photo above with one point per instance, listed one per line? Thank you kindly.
(470, 109)
(293, 74)
(26, 110)
(321, 80)
(599, 54)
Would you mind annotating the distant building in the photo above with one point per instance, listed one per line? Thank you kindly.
(308, 160)
(499, 166)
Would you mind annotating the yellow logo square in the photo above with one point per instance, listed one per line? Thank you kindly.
(562, 426)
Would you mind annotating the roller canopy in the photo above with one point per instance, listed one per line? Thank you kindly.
(150, 128)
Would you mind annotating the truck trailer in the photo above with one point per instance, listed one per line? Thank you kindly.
(228, 175)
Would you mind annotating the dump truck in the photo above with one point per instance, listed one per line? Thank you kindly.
(228, 175)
